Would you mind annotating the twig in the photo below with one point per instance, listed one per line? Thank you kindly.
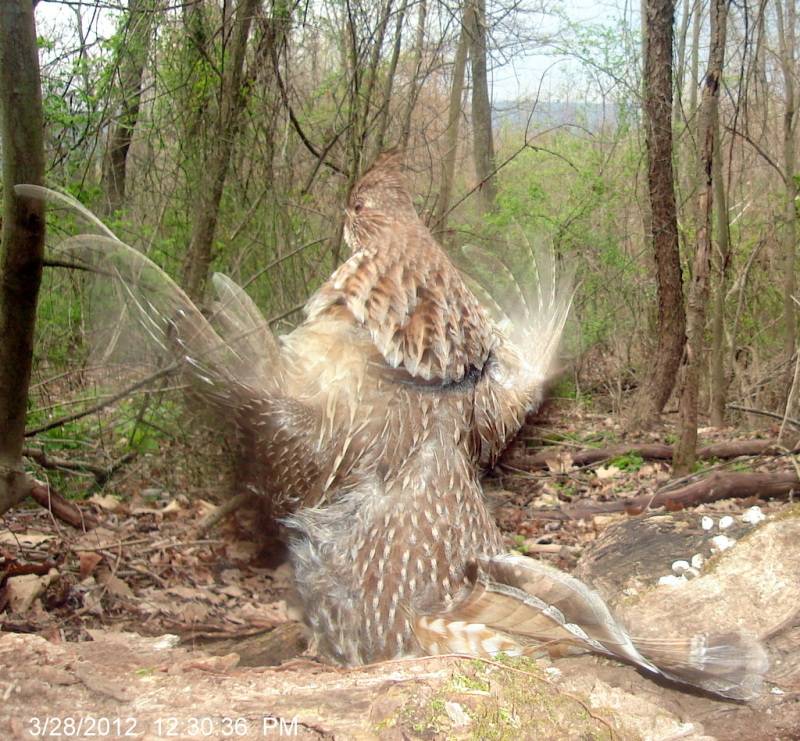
(102, 405)
(765, 413)
(221, 512)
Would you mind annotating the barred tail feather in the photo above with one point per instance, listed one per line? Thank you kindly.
(526, 602)
(728, 664)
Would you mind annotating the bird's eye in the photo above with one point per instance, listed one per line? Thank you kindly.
(358, 206)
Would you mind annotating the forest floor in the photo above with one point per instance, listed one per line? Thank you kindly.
(144, 626)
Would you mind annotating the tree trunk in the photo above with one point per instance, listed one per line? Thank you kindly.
(383, 119)
(664, 233)
(482, 139)
(680, 66)
(685, 449)
(411, 100)
(719, 381)
(130, 62)
(22, 234)
(451, 134)
(787, 18)
(232, 101)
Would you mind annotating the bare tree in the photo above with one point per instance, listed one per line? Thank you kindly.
(656, 390)
(685, 449)
(413, 90)
(22, 234)
(130, 64)
(482, 138)
(451, 133)
(231, 103)
(722, 262)
(786, 21)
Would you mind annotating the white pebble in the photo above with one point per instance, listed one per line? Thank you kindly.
(691, 573)
(698, 560)
(680, 567)
(777, 691)
(725, 522)
(706, 522)
(671, 580)
(721, 543)
(753, 516)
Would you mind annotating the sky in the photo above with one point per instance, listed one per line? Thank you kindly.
(514, 75)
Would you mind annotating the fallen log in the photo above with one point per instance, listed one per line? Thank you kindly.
(719, 485)
(648, 451)
(61, 508)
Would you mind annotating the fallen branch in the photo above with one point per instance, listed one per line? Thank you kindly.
(649, 451)
(720, 485)
(64, 510)
(221, 512)
(766, 413)
(100, 473)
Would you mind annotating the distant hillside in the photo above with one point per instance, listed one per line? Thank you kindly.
(592, 116)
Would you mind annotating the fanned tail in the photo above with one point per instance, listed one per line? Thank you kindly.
(531, 305)
(728, 664)
(531, 301)
(528, 604)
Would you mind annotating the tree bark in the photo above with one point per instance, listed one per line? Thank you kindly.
(232, 101)
(383, 119)
(786, 21)
(451, 134)
(22, 242)
(131, 60)
(671, 327)
(482, 138)
(722, 261)
(411, 100)
(685, 449)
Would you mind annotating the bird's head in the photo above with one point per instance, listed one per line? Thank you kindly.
(381, 195)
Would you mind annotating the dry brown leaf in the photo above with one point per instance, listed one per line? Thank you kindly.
(193, 612)
(242, 550)
(29, 538)
(190, 593)
(560, 463)
(88, 563)
(108, 502)
(99, 538)
(23, 590)
(114, 585)
(607, 472)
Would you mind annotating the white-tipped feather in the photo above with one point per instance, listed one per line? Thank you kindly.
(532, 308)
(528, 601)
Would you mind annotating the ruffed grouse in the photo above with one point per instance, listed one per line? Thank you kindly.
(371, 421)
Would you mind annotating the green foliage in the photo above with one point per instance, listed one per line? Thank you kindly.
(519, 544)
(630, 462)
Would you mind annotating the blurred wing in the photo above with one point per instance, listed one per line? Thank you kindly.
(234, 367)
(531, 305)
